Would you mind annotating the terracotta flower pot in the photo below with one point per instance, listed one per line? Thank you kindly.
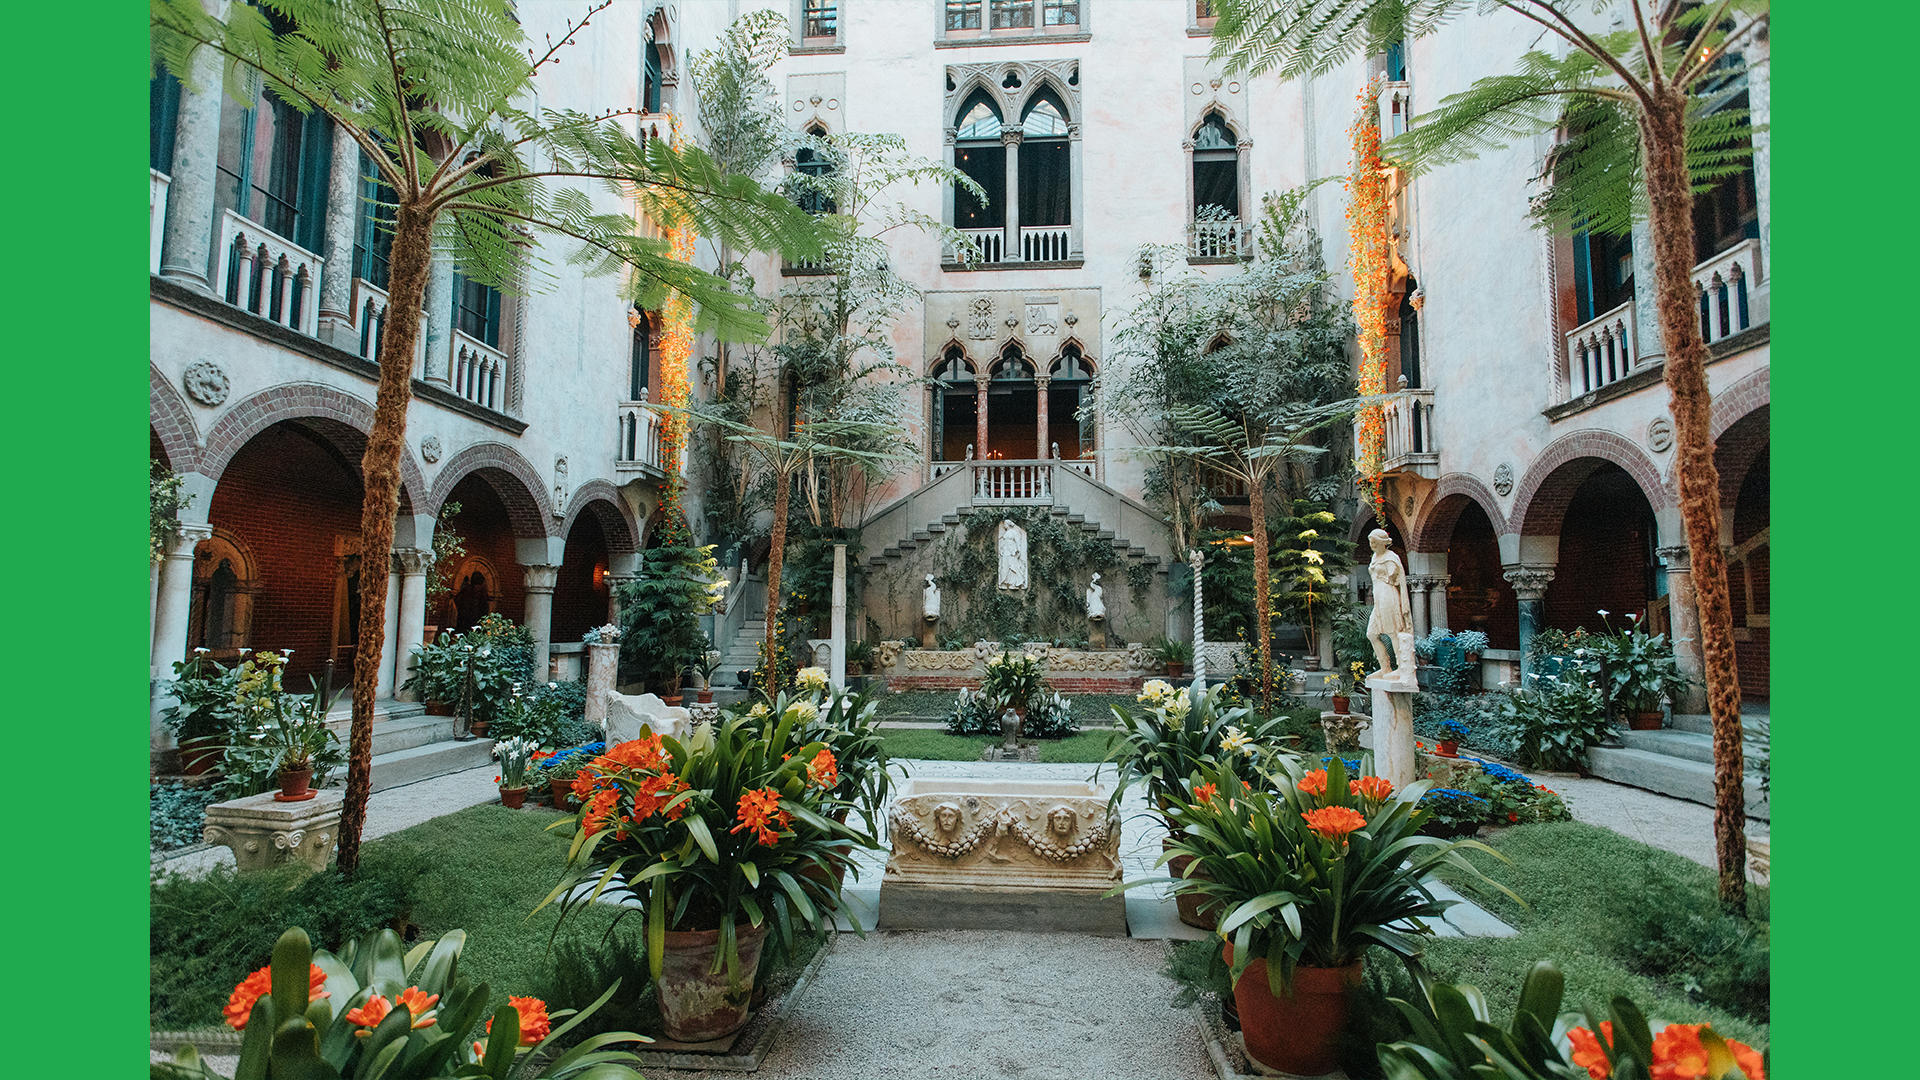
(479, 728)
(1176, 670)
(438, 708)
(1448, 748)
(672, 701)
(513, 798)
(1298, 1032)
(562, 793)
(704, 697)
(293, 785)
(696, 1006)
(1342, 703)
(1646, 720)
(1201, 912)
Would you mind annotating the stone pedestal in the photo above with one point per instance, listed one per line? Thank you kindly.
(1393, 728)
(927, 640)
(603, 663)
(837, 627)
(1343, 730)
(265, 833)
(1097, 634)
(1002, 855)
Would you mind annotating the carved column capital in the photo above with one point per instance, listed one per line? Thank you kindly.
(1012, 137)
(540, 579)
(1677, 558)
(1529, 582)
(412, 562)
(189, 536)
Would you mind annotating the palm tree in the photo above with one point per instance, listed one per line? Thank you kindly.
(1638, 96)
(436, 95)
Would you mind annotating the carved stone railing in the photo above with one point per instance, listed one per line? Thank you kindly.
(991, 243)
(1600, 351)
(639, 449)
(157, 215)
(269, 275)
(369, 309)
(1732, 291)
(1408, 416)
(479, 370)
(1086, 467)
(938, 469)
(1218, 239)
(1046, 243)
(1396, 108)
(1012, 483)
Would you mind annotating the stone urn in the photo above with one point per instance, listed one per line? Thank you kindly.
(1011, 722)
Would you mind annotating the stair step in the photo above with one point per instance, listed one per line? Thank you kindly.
(950, 519)
(418, 763)
(1681, 778)
(1076, 519)
(937, 528)
(1106, 534)
(1753, 727)
(1691, 745)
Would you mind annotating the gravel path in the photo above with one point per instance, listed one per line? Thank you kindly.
(963, 1004)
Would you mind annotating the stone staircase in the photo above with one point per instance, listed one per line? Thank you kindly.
(932, 531)
(1678, 760)
(742, 654)
(410, 746)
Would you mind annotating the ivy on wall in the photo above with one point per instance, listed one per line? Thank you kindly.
(1053, 608)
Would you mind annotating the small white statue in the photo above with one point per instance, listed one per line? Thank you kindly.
(1392, 610)
(1012, 545)
(1096, 599)
(930, 600)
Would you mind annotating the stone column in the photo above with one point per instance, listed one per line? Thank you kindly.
(1196, 560)
(390, 619)
(1686, 630)
(837, 624)
(980, 415)
(1530, 588)
(1077, 181)
(175, 600)
(539, 581)
(1040, 392)
(412, 617)
(1420, 587)
(336, 276)
(1760, 109)
(603, 665)
(1437, 606)
(437, 331)
(614, 583)
(187, 245)
(1011, 140)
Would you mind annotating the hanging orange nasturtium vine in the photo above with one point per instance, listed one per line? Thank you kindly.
(1370, 259)
(676, 353)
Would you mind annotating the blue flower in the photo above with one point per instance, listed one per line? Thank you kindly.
(1455, 794)
(1501, 774)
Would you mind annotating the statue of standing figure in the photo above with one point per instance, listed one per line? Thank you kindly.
(1392, 615)
(1096, 599)
(1011, 544)
(930, 600)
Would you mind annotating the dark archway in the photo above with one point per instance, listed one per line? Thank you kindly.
(1744, 456)
(1479, 596)
(1607, 541)
(580, 593)
(487, 578)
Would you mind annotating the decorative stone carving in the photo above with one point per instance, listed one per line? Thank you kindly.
(560, 486)
(980, 317)
(206, 382)
(1024, 834)
(938, 659)
(1529, 582)
(627, 714)
(1392, 615)
(1660, 435)
(1010, 542)
(930, 600)
(430, 449)
(1096, 599)
(264, 833)
(1343, 731)
(886, 652)
(1043, 319)
(1503, 479)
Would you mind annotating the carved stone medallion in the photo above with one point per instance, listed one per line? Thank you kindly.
(980, 317)
(1660, 435)
(206, 382)
(1503, 479)
(430, 449)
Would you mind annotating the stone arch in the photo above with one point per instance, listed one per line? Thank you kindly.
(1541, 501)
(1363, 524)
(511, 476)
(1040, 80)
(663, 24)
(1736, 401)
(1449, 497)
(172, 423)
(340, 417)
(1736, 449)
(603, 501)
(939, 356)
(1087, 358)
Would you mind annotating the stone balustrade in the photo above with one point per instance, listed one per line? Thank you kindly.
(1732, 291)
(991, 244)
(269, 275)
(1046, 243)
(369, 310)
(1219, 239)
(1600, 351)
(639, 448)
(479, 370)
(1012, 483)
(157, 215)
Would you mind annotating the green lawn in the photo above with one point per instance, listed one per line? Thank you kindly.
(936, 704)
(930, 745)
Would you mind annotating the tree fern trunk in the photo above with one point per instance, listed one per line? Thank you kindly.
(1663, 129)
(1262, 599)
(380, 473)
(770, 663)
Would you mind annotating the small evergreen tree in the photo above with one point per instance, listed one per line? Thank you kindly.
(660, 610)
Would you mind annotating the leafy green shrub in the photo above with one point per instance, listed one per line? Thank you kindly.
(1558, 718)
(208, 933)
(1488, 729)
(177, 813)
(1050, 716)
(1682, 935)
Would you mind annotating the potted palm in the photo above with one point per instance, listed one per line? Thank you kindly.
(1013, 681)
(298, 738)
(1311, 869)
(708, 663)
(711, 837)
(1175, 655)
(515, 753)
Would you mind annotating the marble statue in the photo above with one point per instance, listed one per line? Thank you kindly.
(1012, 545)
(1392, 610)
(930, 600)
(1096, 599)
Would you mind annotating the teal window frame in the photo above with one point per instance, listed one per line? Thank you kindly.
(308, 200)
(650, 78)
(164, 110)
(373, 228)
(476, 310)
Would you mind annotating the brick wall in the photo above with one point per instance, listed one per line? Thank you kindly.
(1751, 582)
(578, 604)
(1604, 551)
(289, 496)
(487, 532)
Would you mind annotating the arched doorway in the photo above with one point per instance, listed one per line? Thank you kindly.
(1607, 541)
(1478, 594)
(1013, 425)
(953, 408)
(581, 592)
(1743, 454)
(1072, 378)
(487, 578)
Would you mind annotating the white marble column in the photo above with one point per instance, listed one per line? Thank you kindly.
(175, 600)
(1421, 589)
(390, 638)
(1760, 110)
(1196, 560)
(837, 624)
(1437, 606)
(539, 581)
(614, 582)
(603, 665)
(1392, 734)
(1685, 617)
(437, 331)
(1076, 204)
(336, 276)
(1011, 141)
(414, 564)
(187, 247)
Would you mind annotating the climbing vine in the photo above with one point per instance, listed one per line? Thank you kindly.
(1370, 260)
(1059, 558)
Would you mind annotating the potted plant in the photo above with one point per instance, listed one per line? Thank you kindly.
(202, 712)
(708, 663)
(1451, 732)
(514, 753)
(1312, 868)
(437, 674)
(377, 1009)
(295, 735)
(1342, 686)
(1636, 670)
(1174, 654)
(1013, 680)
(1558, 718)
(562, 769)
(1471, 642)
(710, 837)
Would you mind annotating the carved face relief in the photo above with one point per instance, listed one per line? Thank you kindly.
(1061, 821)
(946, 817)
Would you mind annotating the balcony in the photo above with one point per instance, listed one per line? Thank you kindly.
(1013, 483)
(1732, 289)
(639, 449)
(479, 370)
(268, 275)
(991, 244)
(369, 311)
(1045, 243)
(1600, 351)
(157, 215)
(1219, 240)
(1409, 444)
(1396, 108)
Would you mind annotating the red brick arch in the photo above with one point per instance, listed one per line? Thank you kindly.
(603, 501)
(1736, 401)
(341, 418)
(172, 423)
(1450, 497)
(1567, 461)
(512, 478)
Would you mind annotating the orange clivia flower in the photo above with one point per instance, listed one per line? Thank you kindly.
(420, 1004)
(600, 811)
(1335, 822)
(1315, 782)
(586, 781)
(645, 754)
(823, 769)
(534, 1022)
(1205, 792)
(371, 1013)
(1588, 1053)
(1678, 1054)
(759, 811)
(655, 792)
(258, 985)
(1371, 787)
(1748, 1059)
